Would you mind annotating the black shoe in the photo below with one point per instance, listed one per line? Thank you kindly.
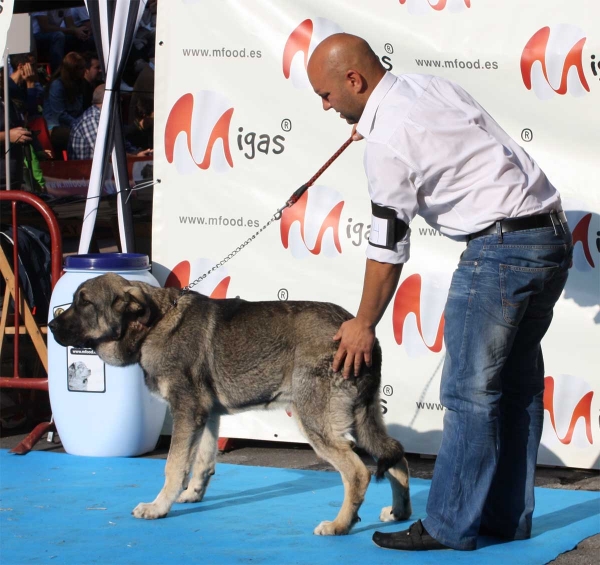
(415, 538)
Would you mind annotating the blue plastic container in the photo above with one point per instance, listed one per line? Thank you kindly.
(100, 410)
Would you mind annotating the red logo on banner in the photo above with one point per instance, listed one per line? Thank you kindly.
(408, 301)
(210, 113)
(552, 62)
(305, 37)
(440, 4)
(299, 40)
(580, 235)
(304, 226)
(179, 277)
(583, 409)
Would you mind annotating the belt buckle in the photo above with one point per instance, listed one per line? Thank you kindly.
(561, 215)
(554, 221)
(556, 218)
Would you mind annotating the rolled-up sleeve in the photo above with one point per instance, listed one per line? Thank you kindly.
(392, 183)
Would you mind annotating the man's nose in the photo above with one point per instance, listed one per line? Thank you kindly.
(326, 105)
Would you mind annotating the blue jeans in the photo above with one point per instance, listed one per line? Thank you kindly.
(51, 44)
(499, 307)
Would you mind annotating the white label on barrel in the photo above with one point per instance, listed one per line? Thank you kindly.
(85, 370)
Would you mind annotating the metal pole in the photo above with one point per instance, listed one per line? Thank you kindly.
(6, 123)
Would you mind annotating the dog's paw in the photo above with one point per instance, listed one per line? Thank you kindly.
(387, 515)
(148, 511)
(190, 495)
(330, 529)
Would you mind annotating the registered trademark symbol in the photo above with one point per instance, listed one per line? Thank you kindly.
(388, 390)
(283, 294)
(527, 135)
(286, 125)
(388, 48)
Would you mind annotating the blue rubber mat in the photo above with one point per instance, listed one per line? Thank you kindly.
(65, 509)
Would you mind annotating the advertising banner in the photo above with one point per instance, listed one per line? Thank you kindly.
(238, 129)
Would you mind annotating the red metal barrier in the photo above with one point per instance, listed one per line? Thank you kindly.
(16, 381)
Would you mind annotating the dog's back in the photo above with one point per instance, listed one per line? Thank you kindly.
(256, 354)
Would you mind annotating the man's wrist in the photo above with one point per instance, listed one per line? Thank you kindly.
(365, 321)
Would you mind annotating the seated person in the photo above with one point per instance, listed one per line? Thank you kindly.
(141, 132)
(23, 85)
(56, 33)
(18, 137)
(142, 89)
(85, 130)
(92, 76)
(64, 100)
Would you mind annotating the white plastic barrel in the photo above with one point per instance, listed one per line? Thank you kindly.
(100, 410)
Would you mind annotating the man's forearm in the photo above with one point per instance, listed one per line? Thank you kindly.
(381, 280)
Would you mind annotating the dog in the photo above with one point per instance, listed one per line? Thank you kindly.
(209, 357)
(77, 376)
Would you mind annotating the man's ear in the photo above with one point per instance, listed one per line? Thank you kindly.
(355, 80)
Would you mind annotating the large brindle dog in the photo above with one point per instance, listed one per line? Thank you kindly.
(209, 357)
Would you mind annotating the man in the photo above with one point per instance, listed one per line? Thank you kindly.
(23, 85)
(18, 137)
(56, 33)
(92, 76)
(434, 151)
(83, 134)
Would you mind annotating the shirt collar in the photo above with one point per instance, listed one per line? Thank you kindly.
(365, 124)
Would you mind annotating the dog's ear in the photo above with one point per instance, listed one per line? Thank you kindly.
(134, 299)
(131, 300)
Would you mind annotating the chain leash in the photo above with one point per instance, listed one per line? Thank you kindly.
(276, 217)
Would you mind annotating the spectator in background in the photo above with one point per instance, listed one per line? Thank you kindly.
(18, 137)
(64, 101)
(143, 46)
(55, 33)
(92, 76)
(85, 131)
(141, 132)
(23, 85)
(143, 92)
(81, 18)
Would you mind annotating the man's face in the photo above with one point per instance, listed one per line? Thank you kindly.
(336, 93)
(93, 73)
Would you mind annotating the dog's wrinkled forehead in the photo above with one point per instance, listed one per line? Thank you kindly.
(102, 288)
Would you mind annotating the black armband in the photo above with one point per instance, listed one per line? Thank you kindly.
(386, 228)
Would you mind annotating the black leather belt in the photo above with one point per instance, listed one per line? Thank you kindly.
(557, 220)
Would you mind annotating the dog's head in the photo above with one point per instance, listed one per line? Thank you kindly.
(110, 315)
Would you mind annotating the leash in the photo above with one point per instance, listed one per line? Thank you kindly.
(277, 216)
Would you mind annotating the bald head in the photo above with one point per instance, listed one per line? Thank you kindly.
(344, 70)
(98, 95)
(340, 52)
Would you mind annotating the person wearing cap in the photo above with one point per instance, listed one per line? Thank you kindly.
(432, 150)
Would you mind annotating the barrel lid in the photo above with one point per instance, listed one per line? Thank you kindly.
(108, 262)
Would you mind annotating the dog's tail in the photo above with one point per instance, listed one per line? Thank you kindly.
(372, 436)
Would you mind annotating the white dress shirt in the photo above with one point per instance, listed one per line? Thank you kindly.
(434, 151)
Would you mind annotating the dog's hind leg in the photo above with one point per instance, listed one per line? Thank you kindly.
(185, 434)
(204, 463)
(332, 446)
(372, 436)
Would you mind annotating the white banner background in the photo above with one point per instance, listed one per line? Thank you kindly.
(238, 129)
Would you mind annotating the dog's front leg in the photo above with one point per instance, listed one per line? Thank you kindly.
(184, 436)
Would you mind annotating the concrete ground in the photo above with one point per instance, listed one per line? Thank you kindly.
(299, 456)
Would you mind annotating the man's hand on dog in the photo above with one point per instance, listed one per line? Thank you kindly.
(356, 344)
